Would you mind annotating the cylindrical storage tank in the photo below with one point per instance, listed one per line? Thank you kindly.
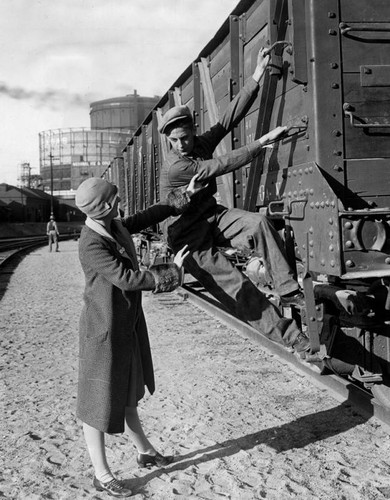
(69, 156)
(121, 113)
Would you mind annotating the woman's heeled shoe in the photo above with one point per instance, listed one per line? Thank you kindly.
(114, 488)
(144, 460)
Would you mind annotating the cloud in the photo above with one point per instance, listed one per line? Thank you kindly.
(52, 98)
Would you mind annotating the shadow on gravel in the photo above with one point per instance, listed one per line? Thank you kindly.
(6, 271)
(296, 434)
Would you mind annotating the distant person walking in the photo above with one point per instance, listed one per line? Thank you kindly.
(52, 232)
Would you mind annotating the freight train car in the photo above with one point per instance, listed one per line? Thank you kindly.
(327, 183)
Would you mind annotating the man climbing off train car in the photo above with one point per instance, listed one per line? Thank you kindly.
(206, 225)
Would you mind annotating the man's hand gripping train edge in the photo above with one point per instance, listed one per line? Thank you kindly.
(273, 136)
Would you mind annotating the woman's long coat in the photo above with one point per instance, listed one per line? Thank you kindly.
(113, 333)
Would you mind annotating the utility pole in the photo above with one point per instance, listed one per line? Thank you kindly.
(51, 184)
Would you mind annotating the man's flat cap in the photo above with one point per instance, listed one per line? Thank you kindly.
(173, 115)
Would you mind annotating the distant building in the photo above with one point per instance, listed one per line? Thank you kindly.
(34, 205)
(69, 156)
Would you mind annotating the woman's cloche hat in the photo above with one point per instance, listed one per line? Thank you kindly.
(95, 197)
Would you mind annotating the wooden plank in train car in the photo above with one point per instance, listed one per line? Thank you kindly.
(369, 11)
(256, 19)
(369, 180)
(367, 105)
(187, 90)
(221, 83)
(219, 58)
(150, 194)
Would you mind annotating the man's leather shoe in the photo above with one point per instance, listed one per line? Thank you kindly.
(301, 343)
(295, 299)
(158, 460)
(114, 488)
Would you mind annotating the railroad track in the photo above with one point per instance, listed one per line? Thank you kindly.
(343, 390)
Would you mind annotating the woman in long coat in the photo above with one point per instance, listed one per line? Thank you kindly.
(115, 360)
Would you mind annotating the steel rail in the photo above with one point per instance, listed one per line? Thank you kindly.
(343, 390)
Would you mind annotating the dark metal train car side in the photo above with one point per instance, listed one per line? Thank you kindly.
(327, 183)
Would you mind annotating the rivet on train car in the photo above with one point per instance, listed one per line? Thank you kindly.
(349, 244)
(367, 71)
(300, 171)
(330, 221)
(311, 254)
(235, 139)
(322, 262)
(317, 204)
(337, 168)
(387, 260)
(307, 147)
(327, 203)
(335, 85)
(294, 172)
(336, 133)
(236, 181)
(306, 170)
(322, 204)
(311, 230)
(348, 225)
(331, 15)
(312, 204)
(237, 195)
(289, 194)
(332, 32)
(349, 263)
(289, 174)
(311, 170)
(331, 235)
(311, 191)
(334, 65)
(304, 258)
(331, 248)
(333, 203)
(312, 318)
(332, 263)
(337, 153)
(295, 194)
(311, 243)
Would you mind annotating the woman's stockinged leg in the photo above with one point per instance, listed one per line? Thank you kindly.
(97, 452)
(134, 429)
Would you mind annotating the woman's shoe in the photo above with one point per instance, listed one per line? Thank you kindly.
(144, 460)
(114, 488)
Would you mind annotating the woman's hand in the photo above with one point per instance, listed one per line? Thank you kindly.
(180, 256)
(274, 135)
(195, 186)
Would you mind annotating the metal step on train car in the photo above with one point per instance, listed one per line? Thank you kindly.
(327, 183)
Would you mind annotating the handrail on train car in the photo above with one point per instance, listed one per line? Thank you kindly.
(348, 111)
(280, 42)
(377, 27)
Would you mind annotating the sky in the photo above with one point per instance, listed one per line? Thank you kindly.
(58, 56)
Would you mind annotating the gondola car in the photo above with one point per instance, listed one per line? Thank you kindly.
(326, 185)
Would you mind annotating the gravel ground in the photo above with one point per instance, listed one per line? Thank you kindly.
(242, 425)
